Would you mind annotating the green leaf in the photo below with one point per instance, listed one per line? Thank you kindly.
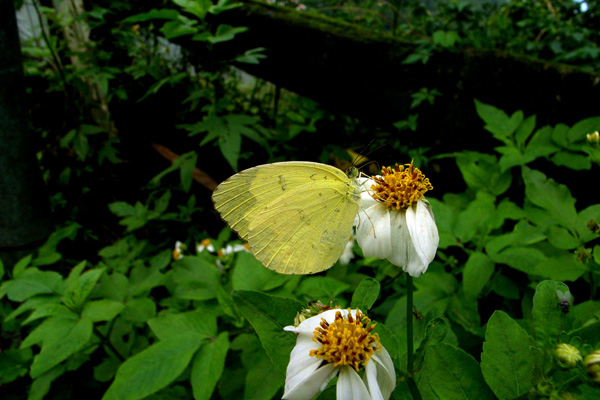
(152, 14)
(226, 32)
(41, 385)
(551, 196)
(477, 219)
(21, 265)
(481, 171)
(579, 131)
(61, 336)
(196, 279)
(187, 171)
(139, 310)
(497, 122)
(477, 273)
(525, 130)
(583, 218)
(250, 274)
(578, 162)
(230, 144)
(561, 267)
(322, 288)
(14, 363)
(435, 332)
(76, 295)
(524, 259)
(268, 315)
(589, 333)
(506, 362)
(102, 310)
(34, 282)
(192, 325)
(562, 238)
(548, 318)
(152, 369)
(365, 295)
(454, 374)
(208, 365)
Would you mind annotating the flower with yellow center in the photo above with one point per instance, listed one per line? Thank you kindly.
(339, 342)
(395, 220)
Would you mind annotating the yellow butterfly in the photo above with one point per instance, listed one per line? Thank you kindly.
(296, 216)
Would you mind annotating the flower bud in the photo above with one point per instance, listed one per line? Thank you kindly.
(593, 139)
(592, 365)
(568, 354)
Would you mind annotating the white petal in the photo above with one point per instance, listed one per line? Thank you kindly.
(386, 375)
(312, 384)
(373, 233)
(400, 239)
(424, 234)
(301, 363)
(350, 386)
(370, 380)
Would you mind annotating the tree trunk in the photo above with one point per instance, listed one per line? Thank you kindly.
(24, 210)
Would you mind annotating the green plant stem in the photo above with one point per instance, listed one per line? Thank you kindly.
(410, 362)
(409, 326)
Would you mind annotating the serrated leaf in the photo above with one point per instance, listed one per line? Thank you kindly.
(196, 279)
(197, 325)
(152, 369)
(324, 288)
(435, 332)
(34, 282)
(562, 238)
(551, 196)
(454, 374)
(226, 32)
(61, 338)
(250, 274)
(563, 267)
(506, 362)
(102, 310)
(497, 122)
(152, 14)
(548, 318)
(268, 315)
(41, 385)
(230, 144)
(524, 259)
(477, 273)
(208, 365)
(525, 130)
(365, 294)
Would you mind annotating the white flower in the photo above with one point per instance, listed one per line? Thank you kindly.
(205, 244)
(348, 254)
(365, 369)
(178, 250)
(396, 222)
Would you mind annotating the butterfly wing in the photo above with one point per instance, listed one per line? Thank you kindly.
(306, 230)
(242, 197)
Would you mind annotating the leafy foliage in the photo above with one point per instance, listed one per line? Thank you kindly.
(145, 317)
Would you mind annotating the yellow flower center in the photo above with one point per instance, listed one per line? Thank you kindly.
(346, 341)
(400, 187)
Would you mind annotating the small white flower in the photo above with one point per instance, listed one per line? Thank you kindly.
(348, 253)
(339, 342)
(178, 250)
(396, 222)
(205, 244)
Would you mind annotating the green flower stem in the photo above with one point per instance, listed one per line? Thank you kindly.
(409, 326)
(410, 362)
